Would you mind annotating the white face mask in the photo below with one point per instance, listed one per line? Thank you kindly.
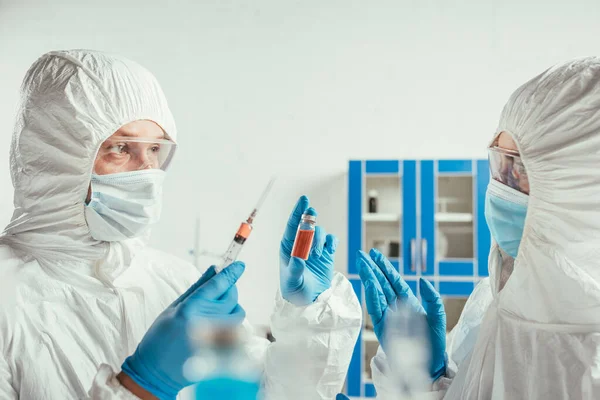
(124, 205)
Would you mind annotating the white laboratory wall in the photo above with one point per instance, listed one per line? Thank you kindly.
(296, 88)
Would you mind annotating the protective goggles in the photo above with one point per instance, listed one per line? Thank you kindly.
(506, 167)
(123, 154)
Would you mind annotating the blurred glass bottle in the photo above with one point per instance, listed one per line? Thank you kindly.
(408, 351)
(222, 366)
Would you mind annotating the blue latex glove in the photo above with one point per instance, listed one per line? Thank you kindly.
(384, 288)
(341, 396)
(157, 363)
(302, 281)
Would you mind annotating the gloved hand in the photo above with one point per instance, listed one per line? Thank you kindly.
(341, 396)
(385, 288)
(302, 281)
(157, 363)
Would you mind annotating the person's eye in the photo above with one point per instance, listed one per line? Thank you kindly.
(156, 148)
(118, 148)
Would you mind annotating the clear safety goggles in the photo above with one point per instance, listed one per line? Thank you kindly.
(124, 154)
(506, 167)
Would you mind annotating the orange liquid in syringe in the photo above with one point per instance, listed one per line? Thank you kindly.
(303, 243)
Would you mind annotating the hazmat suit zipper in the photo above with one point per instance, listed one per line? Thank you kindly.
(124, 329)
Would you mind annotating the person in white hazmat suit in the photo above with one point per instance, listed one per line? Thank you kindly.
(87, 310)
(532, 329)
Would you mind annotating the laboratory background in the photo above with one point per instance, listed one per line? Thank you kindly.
(379, 111)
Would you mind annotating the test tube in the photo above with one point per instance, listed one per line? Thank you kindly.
(305, 234)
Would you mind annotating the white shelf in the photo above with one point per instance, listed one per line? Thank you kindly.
(453, 217)
(366, 380)
(456, 259)
(381, 217)
(394, 175)
(369, 336)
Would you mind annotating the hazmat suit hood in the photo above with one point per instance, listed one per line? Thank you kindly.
(71, 101)
(555, 120)
(540, 337)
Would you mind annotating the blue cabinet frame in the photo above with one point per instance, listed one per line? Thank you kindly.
(417, 233)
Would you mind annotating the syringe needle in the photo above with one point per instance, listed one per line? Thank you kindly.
(263, 197)
(243, 232)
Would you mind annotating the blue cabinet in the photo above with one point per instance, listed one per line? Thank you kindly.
(427, 216)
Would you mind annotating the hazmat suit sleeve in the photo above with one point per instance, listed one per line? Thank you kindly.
(106, 386)
(7, 391)
(313, 344)
(460, 342)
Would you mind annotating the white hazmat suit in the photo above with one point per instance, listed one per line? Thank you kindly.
(72, 308)
(536, 333)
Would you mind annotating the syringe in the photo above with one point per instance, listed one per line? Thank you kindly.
(243, 232)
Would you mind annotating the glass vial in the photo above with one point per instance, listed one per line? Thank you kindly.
(373, 201)
(305, 234)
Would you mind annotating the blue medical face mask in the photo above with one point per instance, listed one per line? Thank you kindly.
(124, 205)
(505, 212)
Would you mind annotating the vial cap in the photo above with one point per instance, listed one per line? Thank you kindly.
(311, 211)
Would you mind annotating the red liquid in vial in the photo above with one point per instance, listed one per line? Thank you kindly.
(302, 244)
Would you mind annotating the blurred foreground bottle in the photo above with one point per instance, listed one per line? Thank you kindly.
(408, 352)
(222, 366)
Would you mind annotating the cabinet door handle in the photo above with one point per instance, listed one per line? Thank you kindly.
(424, 255)
(413, 253)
